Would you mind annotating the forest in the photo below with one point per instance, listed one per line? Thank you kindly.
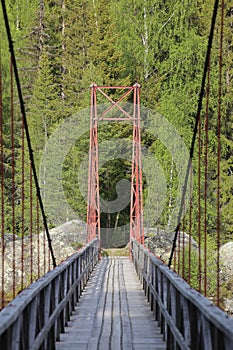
(62, 46)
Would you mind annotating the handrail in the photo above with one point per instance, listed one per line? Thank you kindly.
(37, 316)
(187, 319)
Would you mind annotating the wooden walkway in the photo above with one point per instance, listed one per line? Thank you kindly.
(113, 313)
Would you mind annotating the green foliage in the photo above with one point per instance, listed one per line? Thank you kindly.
(76, 245)
(201, 271)
(44, 107)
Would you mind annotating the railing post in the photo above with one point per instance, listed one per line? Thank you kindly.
(187, 319)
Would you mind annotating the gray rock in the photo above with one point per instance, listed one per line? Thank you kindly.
(159, 242)
(226, 263)
(66, 240)
(226, 259)
(229, 306)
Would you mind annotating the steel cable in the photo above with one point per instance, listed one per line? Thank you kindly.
(219, 149)
(23, 111)
(195, 130)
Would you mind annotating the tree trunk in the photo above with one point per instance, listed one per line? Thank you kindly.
(145, 43)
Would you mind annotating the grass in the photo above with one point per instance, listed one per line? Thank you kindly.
(115, 252)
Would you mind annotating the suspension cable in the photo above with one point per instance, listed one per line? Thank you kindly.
(195, 130)
(23, 111)
(2, 188)
(219, 149)
(206, 162)
(12, 130)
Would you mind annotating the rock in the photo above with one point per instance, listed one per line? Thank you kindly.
(67, 234)
(66, 240)
(228, 303)
(159, 242)
(226, 259)
(226, 265)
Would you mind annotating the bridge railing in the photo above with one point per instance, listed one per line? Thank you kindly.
(37, 316)
(187, 319)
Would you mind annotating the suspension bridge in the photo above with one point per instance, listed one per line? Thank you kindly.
(91, 301)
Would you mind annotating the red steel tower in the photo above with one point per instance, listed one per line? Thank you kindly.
(93, 204)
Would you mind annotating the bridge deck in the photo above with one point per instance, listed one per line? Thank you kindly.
(112, 313)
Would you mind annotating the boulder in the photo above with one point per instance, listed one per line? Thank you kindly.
(159, 242)
(226, 265)
(226, 259)
(66, 240)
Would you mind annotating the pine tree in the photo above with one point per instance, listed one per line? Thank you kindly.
(44, 110)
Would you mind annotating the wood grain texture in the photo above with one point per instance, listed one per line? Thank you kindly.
(112, 313)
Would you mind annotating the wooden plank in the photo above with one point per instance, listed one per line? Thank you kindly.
(106, 312)
(146, 334)
(112, 313)
(116, 331)
(127, 335)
